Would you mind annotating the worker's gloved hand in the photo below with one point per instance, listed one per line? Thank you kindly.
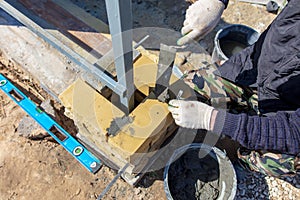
(201, 17)
(191, 114)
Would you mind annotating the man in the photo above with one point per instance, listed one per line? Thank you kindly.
(272, 138)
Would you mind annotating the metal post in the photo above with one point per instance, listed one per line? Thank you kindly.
(120, 24)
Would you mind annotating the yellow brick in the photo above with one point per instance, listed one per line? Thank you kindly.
(151, 118)
(144, 74)
(95, 113)
(89, 106)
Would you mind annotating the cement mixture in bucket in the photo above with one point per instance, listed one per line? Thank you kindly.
(193, 176)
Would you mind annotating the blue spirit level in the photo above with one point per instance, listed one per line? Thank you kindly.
(77, 150)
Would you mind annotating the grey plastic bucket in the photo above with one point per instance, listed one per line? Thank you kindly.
(232, 39)
(227, 176)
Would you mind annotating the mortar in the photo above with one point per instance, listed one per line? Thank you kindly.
(231, 40)
(198, 171)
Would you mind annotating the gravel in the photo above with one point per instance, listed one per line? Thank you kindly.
(258, 186)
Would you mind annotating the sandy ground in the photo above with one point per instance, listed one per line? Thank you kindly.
(41, 169)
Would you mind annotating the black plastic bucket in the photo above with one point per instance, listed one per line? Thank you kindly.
(231, 40)
(198, 171)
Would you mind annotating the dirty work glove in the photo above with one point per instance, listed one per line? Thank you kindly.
(191, 114)
(201, 17)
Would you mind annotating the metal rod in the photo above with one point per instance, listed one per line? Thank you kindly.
(119, 14)
(141, 41)
(84, 64)
(103, 193)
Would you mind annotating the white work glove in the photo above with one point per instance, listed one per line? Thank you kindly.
(191, 114)
(201, 17)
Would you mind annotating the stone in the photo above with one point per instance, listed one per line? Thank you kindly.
(283, 184)
(48, 108)
(30, 129)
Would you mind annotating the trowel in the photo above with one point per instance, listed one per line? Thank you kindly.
(281, 3)
(272, 6)
(164, 71)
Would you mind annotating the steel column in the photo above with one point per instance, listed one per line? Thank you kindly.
(120, 24)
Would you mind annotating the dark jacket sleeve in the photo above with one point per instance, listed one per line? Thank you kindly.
(280, 133)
